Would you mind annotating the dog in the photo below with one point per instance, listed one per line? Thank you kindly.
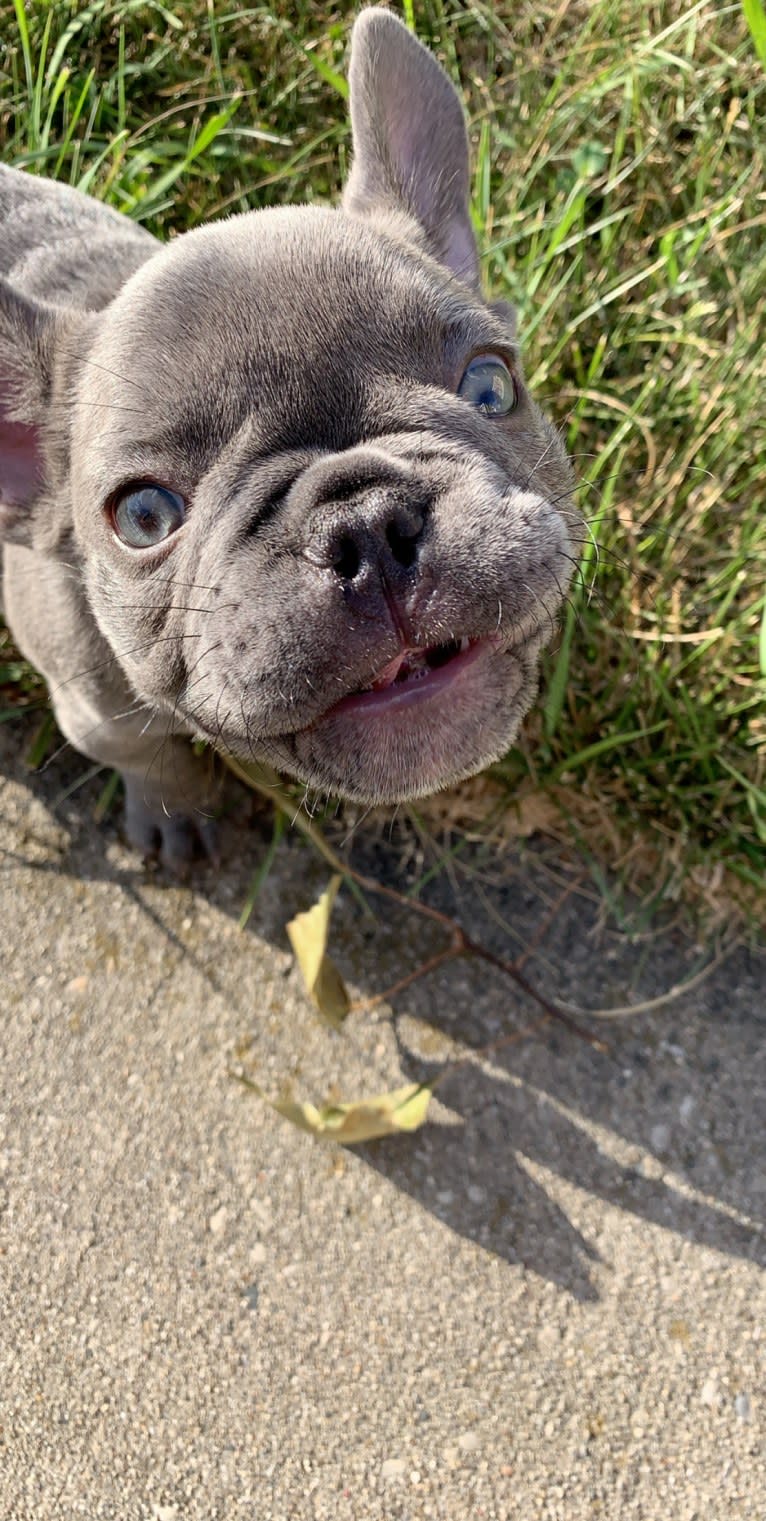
(279, 485)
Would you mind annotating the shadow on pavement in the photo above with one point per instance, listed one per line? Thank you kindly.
(667, 1126)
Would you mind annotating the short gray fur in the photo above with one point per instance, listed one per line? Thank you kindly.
(292, 373)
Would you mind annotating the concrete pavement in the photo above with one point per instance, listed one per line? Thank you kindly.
(549, 1303)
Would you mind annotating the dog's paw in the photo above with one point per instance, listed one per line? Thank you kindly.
(175, 838)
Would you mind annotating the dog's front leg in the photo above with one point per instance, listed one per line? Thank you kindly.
(169, 791)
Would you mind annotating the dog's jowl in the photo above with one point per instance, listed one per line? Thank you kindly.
(279, 484)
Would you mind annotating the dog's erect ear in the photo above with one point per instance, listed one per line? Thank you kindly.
(30, 332)
(410, 140)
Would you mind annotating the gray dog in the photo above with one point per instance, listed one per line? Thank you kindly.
(279, 484)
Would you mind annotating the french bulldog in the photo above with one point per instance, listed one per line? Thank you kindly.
(279, 484)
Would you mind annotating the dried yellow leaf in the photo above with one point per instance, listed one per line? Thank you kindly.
(308, 934)
(404, 1109)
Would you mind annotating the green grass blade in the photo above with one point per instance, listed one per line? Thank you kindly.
(60, 85)
(325, 72)
(203, 140)
(36, 115)
(74, 120)
(106, 797)
(87, 179)
(26, 49)
(755, 16)
(256, 886)
(603, 747)
(41, 743)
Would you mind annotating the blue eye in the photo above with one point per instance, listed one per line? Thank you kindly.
(148, 514)
(489, 386)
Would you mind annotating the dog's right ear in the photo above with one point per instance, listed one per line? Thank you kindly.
(410, 141)
(31, 333)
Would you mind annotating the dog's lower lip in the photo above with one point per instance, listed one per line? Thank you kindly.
(386, 694)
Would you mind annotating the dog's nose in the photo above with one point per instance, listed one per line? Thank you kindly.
(362, 514)
(368, 533)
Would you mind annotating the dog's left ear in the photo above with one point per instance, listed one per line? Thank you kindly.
(410, 141)
(31, 333)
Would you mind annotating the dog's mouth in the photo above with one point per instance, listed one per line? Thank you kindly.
(414, 665)
(429, 716)
(418, 721)
(413, 676)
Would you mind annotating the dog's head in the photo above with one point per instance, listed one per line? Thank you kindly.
(317, 513)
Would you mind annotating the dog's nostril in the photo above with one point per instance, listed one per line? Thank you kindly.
(346, 559)
(403, 546)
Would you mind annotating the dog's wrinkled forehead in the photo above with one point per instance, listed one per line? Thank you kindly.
(295, 318)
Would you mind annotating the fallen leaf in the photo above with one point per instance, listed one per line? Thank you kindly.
(392, 1113)
(532, 812)
(308, 937)
(401, 1110)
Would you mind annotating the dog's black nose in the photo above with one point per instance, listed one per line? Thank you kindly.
(367, 533)
(362, 513)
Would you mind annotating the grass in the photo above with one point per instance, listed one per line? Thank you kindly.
(619, 195)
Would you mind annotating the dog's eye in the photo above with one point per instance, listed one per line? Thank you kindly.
(489, 386)
(148, 514)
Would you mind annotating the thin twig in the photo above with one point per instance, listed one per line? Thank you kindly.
(482, 1052)
(650, 1004)
(365, 1004)
(542, 930)
(527, 987)
(268, 783)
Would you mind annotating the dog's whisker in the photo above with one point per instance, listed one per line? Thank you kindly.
(158, 607)
(68, 744)
(176, 581)
(119, 655)
(109, 406)
(96, 365)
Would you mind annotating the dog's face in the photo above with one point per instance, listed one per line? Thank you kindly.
(318, 515)
(361, 563)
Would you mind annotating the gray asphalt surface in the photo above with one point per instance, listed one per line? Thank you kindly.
(548, 1303)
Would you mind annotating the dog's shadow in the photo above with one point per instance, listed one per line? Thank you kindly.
(663, 1127)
